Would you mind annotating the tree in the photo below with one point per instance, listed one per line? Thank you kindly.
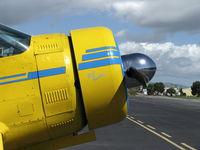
(182, 93)
(196, 88)
(150, 89)
(171, 91)
(159, 87)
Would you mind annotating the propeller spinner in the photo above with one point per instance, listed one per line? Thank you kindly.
(139, 69)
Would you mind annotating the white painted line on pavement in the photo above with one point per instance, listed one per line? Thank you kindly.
(167, 135)
(188, 146)
(140, 121)
(164, 138)
(151, 127)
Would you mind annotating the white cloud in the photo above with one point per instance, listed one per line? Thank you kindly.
(171, 60)
(171, 15)
(125, 35)
(129, 8)
(160, 15)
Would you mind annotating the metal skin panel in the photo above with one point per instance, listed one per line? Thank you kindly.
(48, 44)
(101, 76)
(62, 142)
(18, 95)
(25, 79)
(61, 101)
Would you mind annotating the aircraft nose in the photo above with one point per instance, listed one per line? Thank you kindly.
(139, 69)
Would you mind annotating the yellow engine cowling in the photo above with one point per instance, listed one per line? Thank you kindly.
(100, 73)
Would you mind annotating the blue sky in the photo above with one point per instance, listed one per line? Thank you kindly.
(167, 31)
(66, 23)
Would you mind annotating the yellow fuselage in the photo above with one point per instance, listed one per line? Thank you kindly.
(59, 85)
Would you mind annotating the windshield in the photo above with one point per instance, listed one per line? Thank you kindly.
(12, 42)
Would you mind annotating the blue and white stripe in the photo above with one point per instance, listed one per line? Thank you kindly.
(101, 48)
(98, 57)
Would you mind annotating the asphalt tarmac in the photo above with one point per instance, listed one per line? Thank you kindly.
(154, 123)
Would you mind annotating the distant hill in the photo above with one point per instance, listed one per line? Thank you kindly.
(173, 85)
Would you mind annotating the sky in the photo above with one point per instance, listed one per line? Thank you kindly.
(167, 31)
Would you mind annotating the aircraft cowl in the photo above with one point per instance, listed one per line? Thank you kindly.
(139, 69)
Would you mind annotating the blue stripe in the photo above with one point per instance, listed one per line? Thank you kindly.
(32, 75)
(40, 74)
(100, 55)
(99, 63)
(13, 81)
(18, 75)
(100, 48)
(51, 72)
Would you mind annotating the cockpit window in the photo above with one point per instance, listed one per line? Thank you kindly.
(12, 42)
